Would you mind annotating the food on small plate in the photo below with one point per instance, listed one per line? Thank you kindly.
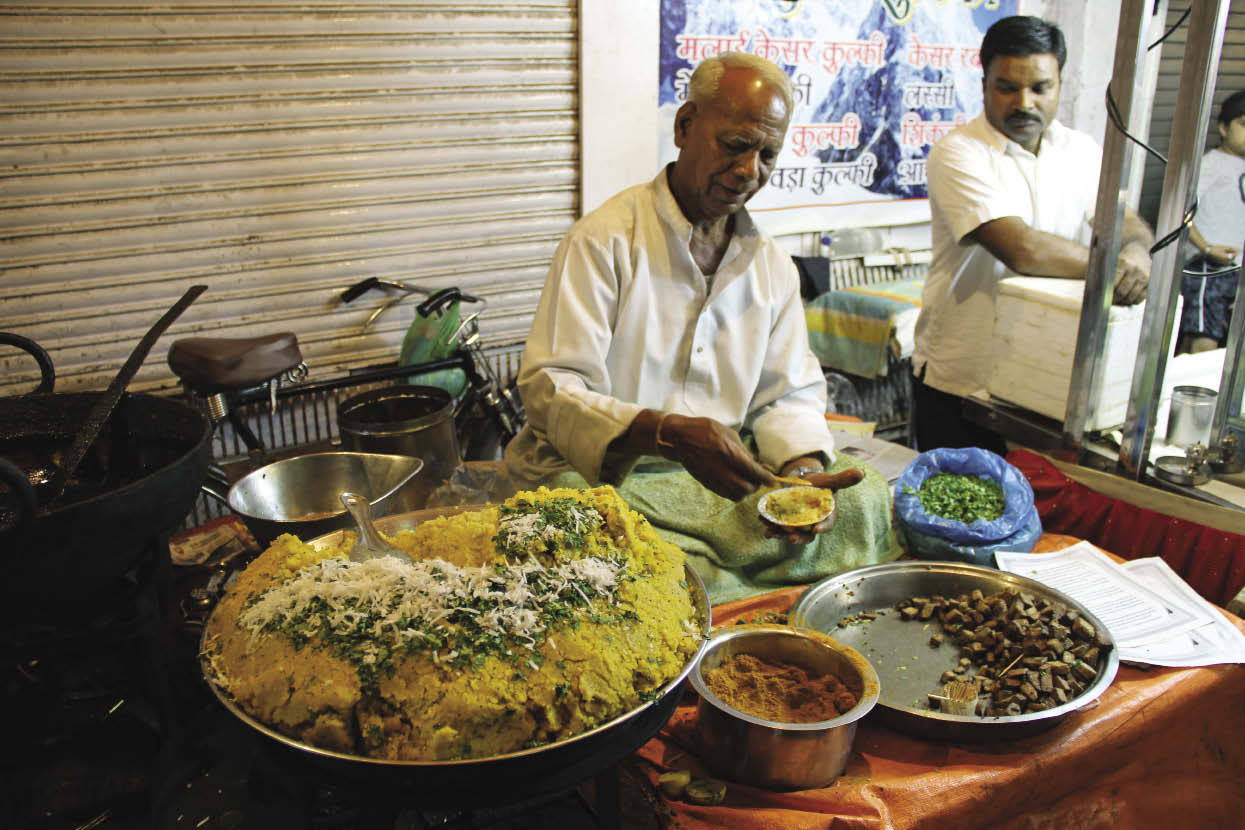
(517, 625)
(796, 506)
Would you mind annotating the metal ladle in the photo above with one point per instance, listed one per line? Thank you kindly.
(370, 544)
(104, 404)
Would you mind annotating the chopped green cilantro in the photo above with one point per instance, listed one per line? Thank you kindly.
(961, 498)
(536, 528)
(508, 613)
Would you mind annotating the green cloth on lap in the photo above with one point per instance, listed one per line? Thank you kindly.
(725, 541)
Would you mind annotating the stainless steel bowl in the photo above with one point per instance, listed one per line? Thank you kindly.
(780, 756)
(301, 495)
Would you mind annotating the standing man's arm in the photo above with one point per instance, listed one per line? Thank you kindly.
(1038, 254)
(1031, 252)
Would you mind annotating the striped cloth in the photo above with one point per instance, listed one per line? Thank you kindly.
(853, 329)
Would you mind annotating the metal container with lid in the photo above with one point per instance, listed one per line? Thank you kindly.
(1192, 412)
(404, 420)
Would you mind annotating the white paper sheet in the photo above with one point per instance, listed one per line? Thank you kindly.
(1134, 614)
(1217, 641)
(888, 458)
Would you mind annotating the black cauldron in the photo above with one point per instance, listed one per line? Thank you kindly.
(136, 484)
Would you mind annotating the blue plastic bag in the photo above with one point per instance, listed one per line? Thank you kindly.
(925, 546)
(936, 537)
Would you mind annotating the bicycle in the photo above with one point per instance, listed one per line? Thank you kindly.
(487, 413)
(219, 374)
(261, 382)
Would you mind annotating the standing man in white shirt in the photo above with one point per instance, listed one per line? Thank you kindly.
(1211, 276)
(1011, 192)
(669, 323)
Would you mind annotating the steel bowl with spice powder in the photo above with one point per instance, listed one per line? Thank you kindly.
(785, 671)
(515, 626)
(779, 690)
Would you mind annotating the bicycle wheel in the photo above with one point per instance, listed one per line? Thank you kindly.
(488, 421)
(479, 439)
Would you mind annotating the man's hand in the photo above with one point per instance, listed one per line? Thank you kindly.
(1220, 254)
(1132, 275)
(830, 481)
(713, 454)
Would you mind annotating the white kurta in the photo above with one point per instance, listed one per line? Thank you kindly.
(976, 175)
(627, 321)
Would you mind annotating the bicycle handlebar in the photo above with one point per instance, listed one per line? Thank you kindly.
(359, 289)
(436, 301)
(442, 298)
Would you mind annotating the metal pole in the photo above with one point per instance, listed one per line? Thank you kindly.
(1232, 383)
(1087, 369)
(1197, 81)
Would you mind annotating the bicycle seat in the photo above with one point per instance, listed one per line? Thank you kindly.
(220, 364)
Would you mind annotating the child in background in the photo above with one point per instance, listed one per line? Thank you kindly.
(1210, 278)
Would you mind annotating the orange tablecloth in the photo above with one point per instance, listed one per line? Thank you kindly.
(1164, 748)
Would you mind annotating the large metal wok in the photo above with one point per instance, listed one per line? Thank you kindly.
(499, 779)
(137, 482)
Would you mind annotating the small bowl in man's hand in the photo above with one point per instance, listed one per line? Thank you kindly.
(796, 509)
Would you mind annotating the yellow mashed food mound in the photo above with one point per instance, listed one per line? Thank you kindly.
(517, 625)
(799, 505)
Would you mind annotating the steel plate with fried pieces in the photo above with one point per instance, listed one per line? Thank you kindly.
(925, 625)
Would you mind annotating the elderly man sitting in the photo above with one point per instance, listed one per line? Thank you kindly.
(670, 344)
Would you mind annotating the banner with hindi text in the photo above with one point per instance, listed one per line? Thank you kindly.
(877, 82)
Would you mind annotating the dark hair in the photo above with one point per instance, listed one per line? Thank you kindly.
(1022, 35)
(1233, 107)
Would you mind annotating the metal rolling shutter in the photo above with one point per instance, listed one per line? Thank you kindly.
(277, 152)
(1231, 78)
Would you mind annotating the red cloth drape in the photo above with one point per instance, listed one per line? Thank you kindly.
(1211, 561)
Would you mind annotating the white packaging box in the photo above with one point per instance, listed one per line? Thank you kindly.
(1035, 327)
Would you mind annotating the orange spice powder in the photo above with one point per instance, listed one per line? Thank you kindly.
(778, 690)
